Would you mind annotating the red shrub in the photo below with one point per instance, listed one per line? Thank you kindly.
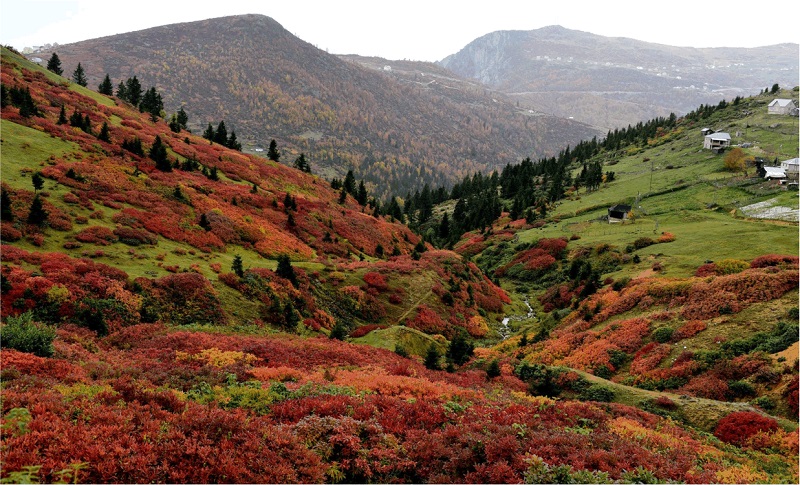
(737, 427)
(376, 280)
(426, 320)
(102, 236)
(781, 260)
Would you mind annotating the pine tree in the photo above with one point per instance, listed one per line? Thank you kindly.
(158, 152)
(54, 64)
(133, 91)
(204, 222)
(182, 118)
(272, 152)
(361, 195)
(237, 266)
(232, 143)
(79, 76)
(38, 181)
(209, 133)
(6, 214)
(62, 116)
(221, 135)
(37, 215)
(432, 357)
(301, 164)
(106, 87)
(152, 103)
(285, 269)
(349, 184)
(122, 91)
(460, 349)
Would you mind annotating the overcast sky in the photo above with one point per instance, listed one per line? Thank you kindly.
(427, 30)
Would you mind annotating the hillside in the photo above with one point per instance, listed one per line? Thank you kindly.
(267, 84)
(223, 318)
(612, 82)
(692, 295)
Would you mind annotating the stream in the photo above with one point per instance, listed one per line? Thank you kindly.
(504, 330)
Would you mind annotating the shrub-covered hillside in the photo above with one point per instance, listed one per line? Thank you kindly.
(189, 313)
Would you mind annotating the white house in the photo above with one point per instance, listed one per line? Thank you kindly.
(791, 168)
(717, 141)
(780, 106)
(774, 173)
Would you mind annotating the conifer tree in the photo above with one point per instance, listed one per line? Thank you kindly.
(361, 195)
(54, 64)
(79, 76)
(37, 215)
(285, 269)
(133, 91)
(432, 357)
(182, 118)
(221, 135)
(62, 116)
(158, 152)
(38, 181)
(237, 266)
(349, 184)
(106, 87)
(122, 91)
(301, 164)
(232, 143)
(209, 133)
(6, 214)
(272, 152)
(151, 103)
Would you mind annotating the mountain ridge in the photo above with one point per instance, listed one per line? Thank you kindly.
(268, 84)
(547, 66)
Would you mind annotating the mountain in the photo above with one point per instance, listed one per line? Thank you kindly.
(195, 314)
(267, 84)
(611, 82)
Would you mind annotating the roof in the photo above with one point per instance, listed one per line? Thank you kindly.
(774, 173)
(781, 102)
(791, 161)
(719, 136)
(620, 208)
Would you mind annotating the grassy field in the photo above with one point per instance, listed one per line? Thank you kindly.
(680, 188)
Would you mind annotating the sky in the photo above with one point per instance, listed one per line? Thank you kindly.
(424, 30)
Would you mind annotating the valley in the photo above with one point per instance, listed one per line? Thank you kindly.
(175, 309)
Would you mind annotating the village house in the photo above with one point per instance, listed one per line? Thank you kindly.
(618, 213)
(717, 142)
(780, 106)
(791, 168)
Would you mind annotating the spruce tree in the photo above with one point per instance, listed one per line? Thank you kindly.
(361, 195)
(221, 135)
(62, 116)
(460, 349)
(285, 269)
(349, 184)
(54, 64)
(158, 152)
(237, 266)
(122, 91)
(79, 76)
(106, 87)
(302, 164)
(232, 143)
(272, 152)
(209, 133)
(6, 214)
(133, 90)
(38, 181)
(37, 215)
(182, 118)
(432, 357)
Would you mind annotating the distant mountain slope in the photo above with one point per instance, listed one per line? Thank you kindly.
(266, 83)
(611, 82)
